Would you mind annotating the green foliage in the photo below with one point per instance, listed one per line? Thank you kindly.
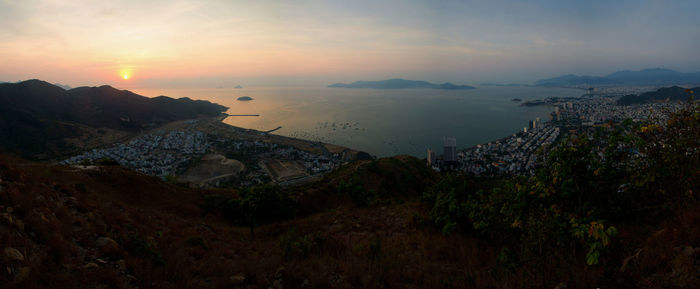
(507, 259)
(294, 246)
(353, 187)
(595, 235)
(623, 173)
(146, 248)
(257, 205)
(385, 180)
(106, 162)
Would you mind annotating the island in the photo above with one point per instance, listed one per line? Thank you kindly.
(398, 83)
(245, 98)
(238, 86)
(516, 99)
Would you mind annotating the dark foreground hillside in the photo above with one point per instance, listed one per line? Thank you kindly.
(107, 227)
(614, 208)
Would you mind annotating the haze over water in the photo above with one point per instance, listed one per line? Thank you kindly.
(380, 122)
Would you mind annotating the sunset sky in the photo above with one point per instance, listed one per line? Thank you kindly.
(211, 43)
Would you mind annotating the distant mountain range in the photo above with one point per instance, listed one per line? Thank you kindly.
(64, 86)
(674, 93)
(398, 83)
(652, 76)
(36, 117)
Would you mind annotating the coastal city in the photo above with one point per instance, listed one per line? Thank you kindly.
(211, 154)
(518, 154)
(211, 159)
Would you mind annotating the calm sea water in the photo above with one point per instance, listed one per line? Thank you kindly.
(381, 122)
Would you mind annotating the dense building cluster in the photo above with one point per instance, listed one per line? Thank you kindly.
(518, 154)
(591, 111)
(314, 163)
(513, 154)
(166, 153)
(152, 154)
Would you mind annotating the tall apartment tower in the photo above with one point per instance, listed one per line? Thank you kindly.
(450, 152)
(431, 157)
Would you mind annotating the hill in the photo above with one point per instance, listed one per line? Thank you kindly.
(398, 83)
(367, 225)
(36, 116)
(651, 76)
(674, 93)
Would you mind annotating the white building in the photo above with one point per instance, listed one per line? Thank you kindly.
(450, 149)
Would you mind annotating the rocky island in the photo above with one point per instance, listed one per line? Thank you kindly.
(398, 83)
(245, 98)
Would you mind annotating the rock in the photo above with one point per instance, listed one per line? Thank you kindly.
(278, 284)
(13, 254)
(280, 272)
(106, 245)
(21, 274)
(131, 278)
(688, 251)
(19, 225)
(237, 279)
(121, 264)
(90, 265)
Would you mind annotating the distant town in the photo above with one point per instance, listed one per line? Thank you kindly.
(518, 154)
(194, 152)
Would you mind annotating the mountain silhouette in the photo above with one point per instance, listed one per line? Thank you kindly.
(650, 76)
(398, 83)
(674, 93)
(36, 116)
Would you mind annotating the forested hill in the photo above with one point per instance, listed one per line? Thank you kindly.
(674, 93)
(35, 116)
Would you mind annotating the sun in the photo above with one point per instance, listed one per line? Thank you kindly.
(126, 73)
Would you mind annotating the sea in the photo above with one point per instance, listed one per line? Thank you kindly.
(379, 121)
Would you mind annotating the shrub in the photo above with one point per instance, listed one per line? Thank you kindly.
(294, 246)
(353, 187)
(257, 205)
(626, 173)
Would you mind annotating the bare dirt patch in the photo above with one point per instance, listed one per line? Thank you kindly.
(284, 170)
(211, 168)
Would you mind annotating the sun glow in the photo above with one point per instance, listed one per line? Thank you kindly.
(125, 73)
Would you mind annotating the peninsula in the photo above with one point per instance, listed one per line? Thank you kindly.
(398, 83)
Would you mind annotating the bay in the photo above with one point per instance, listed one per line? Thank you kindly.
(380, 122)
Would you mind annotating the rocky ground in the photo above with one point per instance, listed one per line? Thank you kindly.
(108, 227)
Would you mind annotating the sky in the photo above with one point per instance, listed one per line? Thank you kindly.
(210, 43)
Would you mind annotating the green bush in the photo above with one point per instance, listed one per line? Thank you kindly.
(626, 173)
(257, 205)
(294, 246)
(353, 187)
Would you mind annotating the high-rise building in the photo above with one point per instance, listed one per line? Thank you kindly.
(450, 149)
(431, 157)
